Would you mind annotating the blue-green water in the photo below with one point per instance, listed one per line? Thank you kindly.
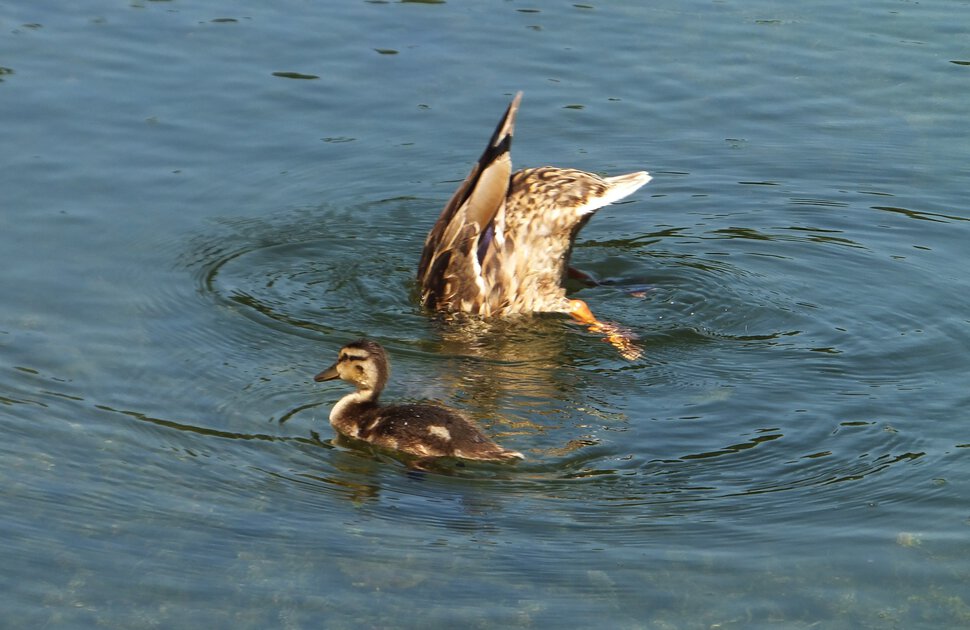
(203, 201)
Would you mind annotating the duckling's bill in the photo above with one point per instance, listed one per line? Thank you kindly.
(327, 375)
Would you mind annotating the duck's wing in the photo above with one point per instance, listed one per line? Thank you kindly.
(545, 209)
(450, 270)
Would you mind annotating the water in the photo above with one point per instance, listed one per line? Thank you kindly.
(193, 224)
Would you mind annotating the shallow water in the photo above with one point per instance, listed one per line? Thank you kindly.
(203, 202)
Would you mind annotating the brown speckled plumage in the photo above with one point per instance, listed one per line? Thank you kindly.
(422, 430)
(502, 243)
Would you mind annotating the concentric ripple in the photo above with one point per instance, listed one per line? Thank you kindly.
(682, 428)
(322, 271)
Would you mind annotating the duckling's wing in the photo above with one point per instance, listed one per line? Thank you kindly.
(470, 224)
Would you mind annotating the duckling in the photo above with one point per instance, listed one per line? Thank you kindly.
(502, 243)
(424, 430)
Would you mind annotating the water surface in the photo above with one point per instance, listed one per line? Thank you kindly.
(204, 201)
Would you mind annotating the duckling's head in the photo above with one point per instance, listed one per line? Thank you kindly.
(363, 363)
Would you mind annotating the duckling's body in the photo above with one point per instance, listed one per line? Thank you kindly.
(502, 243)
(423, 430)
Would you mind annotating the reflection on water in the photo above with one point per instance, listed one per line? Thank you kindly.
(922, 216)
(316, 284)
(305, 277)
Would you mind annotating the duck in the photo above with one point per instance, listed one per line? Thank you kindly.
(502, 243)
(426, 431)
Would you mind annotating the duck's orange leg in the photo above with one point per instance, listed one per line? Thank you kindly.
(620, 338)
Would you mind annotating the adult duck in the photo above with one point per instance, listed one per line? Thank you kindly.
(502, 244)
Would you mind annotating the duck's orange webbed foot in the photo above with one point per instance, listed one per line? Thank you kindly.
(619, 337)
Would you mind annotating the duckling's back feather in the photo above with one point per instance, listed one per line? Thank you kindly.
(419, 429)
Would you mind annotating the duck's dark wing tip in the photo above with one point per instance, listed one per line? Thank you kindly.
(503, 132)
(495, 165)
